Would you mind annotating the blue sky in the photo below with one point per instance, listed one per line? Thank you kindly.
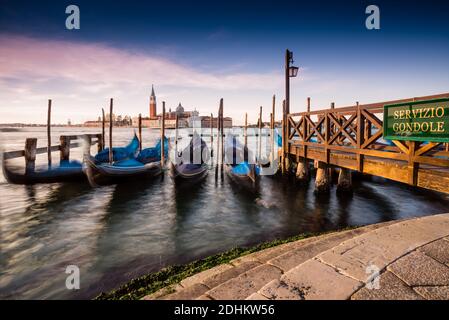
(196, 52)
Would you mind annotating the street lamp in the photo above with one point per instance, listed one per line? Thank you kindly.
(290, 72)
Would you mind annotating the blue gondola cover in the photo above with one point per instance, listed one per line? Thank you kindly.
(153, 154)
(119, 154)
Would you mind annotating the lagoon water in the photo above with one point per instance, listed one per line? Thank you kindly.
(119, 232)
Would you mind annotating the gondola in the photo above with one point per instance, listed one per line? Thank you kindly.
(185, 168)
(146, 165)
(65, 171)
(237, 166)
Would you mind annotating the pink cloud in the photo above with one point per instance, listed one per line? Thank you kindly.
(37, 59)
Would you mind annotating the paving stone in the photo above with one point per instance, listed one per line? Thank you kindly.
(219, 278)
(279, 290)
(439, 250)
(245, 284)
(200, 277)
(256, 296)
(314, 280)
(417, 269)
(382, 246)
(270, 253)
(391, 288)
(307, 251)
(163, 292)
(248, 258)
(189, 293)
(434, 293)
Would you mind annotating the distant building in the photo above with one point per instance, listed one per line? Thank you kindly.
(153, 111)
(92, 124)
(186, 119)
(205, 122)
(118, 121)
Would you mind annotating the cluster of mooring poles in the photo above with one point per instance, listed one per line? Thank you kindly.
(272, 156)
(139, 130)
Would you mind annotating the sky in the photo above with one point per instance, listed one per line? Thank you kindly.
(196, 52)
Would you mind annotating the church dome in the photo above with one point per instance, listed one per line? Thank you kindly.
(179, 109)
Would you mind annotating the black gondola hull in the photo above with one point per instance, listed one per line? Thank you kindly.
(243, 181)
(55, 175)
(104, 174)
(178, 173)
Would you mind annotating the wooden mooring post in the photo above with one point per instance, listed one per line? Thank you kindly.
(344, 183)
(88, 143)
(322, 178)
(103, 133)
(222, 135)
(140, 131)
(211, 139)
(100, 145)
(302, 168)
(259, 140)
(284, 140)
(111, 120)
(163, 135)
(272, 121)
(65, 148)
(271, 159)
(245, 131)
(218, 141)
(176, 138)
(30, 155)
(49, 133)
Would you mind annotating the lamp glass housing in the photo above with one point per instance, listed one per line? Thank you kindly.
(293, 71)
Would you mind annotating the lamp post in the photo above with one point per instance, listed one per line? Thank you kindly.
(290, 72)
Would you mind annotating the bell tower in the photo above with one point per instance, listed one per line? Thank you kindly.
(153, 114)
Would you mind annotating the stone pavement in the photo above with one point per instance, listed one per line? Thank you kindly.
(406, 259)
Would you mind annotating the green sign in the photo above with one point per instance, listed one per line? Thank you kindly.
(417, 121)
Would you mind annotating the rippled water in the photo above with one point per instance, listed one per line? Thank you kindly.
(115, 233)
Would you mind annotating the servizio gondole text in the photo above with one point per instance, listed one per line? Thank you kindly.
(421, 113)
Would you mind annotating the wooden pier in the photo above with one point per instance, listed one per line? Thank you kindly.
(67, 142)
(351, 138)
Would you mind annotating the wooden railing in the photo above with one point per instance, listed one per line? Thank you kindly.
(351, 137)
